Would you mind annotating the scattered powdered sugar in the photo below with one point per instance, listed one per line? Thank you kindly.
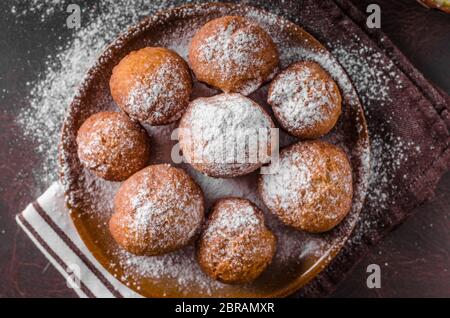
(371, 72)
(217, 188)
(180, 267)
(374, 75)
(388, 155)
(97, 188)
(301, 99)
(50, 95)
(181, 46)
(45, 8)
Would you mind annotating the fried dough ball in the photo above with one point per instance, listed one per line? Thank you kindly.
(157, 210)
(236, 246)
(152, 85)
(312, 189)
(233, 54)
(226, 135)
(305, 100)
(112, 146)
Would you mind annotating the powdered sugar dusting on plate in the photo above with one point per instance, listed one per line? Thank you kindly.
(179, 268)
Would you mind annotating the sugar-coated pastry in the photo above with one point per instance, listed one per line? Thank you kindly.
(305, 100)
(235, 246)
(312, 189)
(152, 85)
(233, 54)
(226, 135)
(157, 210)
(112, 146)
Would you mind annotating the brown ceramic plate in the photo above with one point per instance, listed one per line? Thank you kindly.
(300, 256)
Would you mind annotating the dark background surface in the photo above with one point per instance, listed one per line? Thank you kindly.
(414, 259)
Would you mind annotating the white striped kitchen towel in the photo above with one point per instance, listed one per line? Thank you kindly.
(47, 222)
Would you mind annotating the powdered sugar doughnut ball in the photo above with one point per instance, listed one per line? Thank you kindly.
(226, 135)
(312, 189)
(305, 100)
(235, 246)
(157, 210)
(152, 85)
(112, 146)
(233, 54)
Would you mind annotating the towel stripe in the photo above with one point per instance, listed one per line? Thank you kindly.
(52, 253)
(76, 250)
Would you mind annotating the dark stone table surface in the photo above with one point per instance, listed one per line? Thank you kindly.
(414, 259)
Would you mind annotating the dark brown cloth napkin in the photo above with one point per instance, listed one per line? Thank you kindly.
(408, 121)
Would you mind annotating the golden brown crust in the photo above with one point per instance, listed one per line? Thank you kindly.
(112, 146)
(235, 246)
(312, 189)
(157, 210)
(152, 85)
(233, 54)
(305, 100)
